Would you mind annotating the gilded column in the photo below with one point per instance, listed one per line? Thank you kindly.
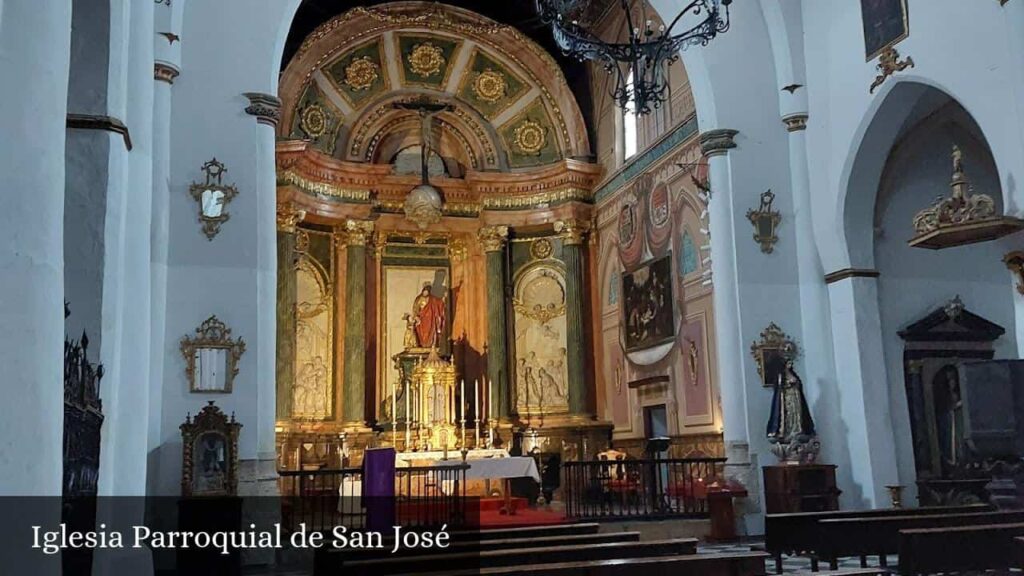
(357, 234)
(494, 240)
(287, 218)
(574, 233)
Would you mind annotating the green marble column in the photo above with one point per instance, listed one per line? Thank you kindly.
(357, 234)
(573, 252)
(494, 239)
(287, 218)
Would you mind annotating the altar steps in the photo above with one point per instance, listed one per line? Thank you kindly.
(528, 553)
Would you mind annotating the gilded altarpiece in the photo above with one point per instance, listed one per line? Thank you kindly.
(313, 388)
(415, 311)
(541, 384)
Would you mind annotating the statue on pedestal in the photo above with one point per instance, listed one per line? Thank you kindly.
(790, 426)
(426, 322)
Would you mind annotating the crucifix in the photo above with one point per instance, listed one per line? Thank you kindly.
(426, 111)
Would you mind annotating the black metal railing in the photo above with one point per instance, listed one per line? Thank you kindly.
(425, 496)
(627, 488)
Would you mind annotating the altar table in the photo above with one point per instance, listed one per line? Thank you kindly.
(505, 469)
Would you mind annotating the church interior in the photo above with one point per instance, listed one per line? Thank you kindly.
(601, 286)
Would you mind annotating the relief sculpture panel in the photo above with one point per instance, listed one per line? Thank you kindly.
(312, 390)
(541, 371)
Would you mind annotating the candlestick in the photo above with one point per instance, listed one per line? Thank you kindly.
(476, 413)
(408, 417)
(394, 413)
(462, 409)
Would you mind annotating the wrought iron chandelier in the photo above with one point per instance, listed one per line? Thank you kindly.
(640, 64)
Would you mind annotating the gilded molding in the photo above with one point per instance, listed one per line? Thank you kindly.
(165, 72)
(100, 122)
(889, 63)
(288, 216)
(717, 142)
(795, 122)
(573, 232)
(840, 275)
(323, 188)
(493, 238)
(358, 232)
(265, 107)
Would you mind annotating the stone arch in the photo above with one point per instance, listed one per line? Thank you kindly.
(881, 130)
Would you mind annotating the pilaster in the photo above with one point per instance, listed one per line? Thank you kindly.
(494, 240)
(574, 234)
(287, 219)
(357, 235)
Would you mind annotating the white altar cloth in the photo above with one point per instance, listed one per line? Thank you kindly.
(497, 468)
(404, 458)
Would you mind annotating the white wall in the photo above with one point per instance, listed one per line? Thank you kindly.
(228, 48)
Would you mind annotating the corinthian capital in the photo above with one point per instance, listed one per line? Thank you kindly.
(493, 238)
(358, 232)
(288, 216)
(573, 231)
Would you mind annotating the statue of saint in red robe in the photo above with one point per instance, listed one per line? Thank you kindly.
(428, 318)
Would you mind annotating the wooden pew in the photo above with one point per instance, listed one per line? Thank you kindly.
(745, 564)
(1019, 544)
(330, 560)
(959, 548)
(521, 556)
(798, 532)
(862, 537)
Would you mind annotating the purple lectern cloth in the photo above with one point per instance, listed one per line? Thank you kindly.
(379, 488)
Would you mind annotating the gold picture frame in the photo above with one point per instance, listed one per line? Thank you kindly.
(771, 353)
(213, 345)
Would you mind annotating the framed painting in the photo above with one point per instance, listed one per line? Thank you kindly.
(647, 304)
(885, 25)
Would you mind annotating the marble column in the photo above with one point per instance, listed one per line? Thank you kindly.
(357, 233)
(35, 43)
(287, 218)
(574, 233)
(494, 240)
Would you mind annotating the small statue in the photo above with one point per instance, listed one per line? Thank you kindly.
(790, 427)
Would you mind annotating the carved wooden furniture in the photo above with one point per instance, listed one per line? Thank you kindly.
(803, 488)
(960, 549)
(798, 533)
(209, 453)
(846, 537)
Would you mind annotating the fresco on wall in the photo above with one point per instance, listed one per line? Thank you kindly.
(647, 304)
(659, 227)
(541, 371)
(696, 383)
(885, 24)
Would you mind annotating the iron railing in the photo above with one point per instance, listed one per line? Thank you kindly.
(425, 496)
(614, 489)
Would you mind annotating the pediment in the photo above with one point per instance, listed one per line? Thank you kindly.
(952, 322)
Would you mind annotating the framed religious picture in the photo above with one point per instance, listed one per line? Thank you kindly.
(209, 453)
(885, 25)
(647, 304)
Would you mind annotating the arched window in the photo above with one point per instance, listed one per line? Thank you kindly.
(688, 262)
(630, 134)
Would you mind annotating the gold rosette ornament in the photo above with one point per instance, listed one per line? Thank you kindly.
(426, 59)
(530, 137)
(490, 86)
(361, 73)
(313, 121)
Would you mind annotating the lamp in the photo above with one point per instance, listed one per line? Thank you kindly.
(640, 62)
